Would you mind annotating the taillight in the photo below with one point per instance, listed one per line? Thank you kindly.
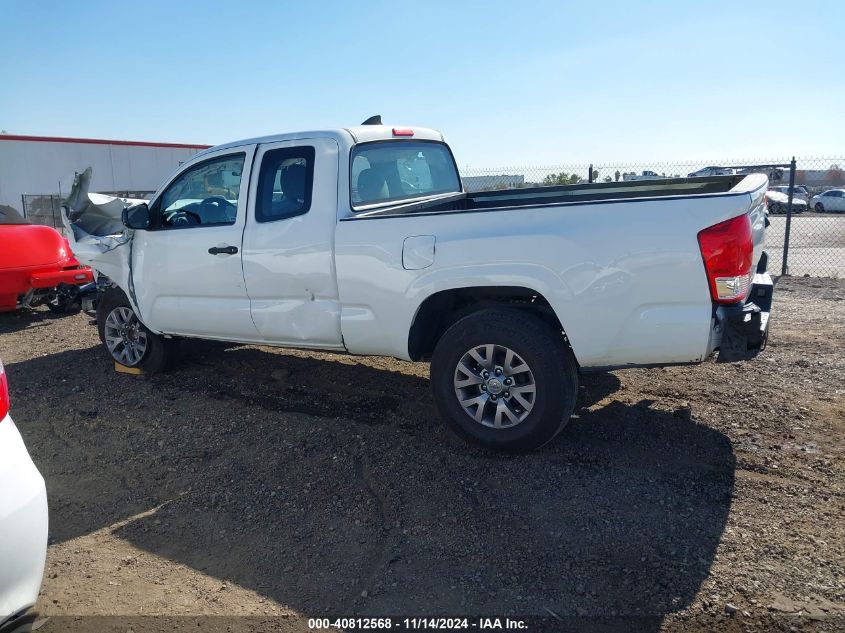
(4, 393)
(403, 131)
(727, 249)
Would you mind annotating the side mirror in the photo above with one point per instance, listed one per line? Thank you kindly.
(136, 217)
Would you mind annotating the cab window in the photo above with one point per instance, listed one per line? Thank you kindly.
(285, 183)
(391, 171)
(204, 195)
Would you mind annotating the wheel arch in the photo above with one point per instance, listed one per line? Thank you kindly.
(442, 309)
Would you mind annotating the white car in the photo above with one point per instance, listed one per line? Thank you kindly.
(362, 240)
(778, 202)
(799, 192)
(23, 519)
(831, 200)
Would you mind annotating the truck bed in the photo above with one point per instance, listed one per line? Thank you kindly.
(619, 263)
(582, 193)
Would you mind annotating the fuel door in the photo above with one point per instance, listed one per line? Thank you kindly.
(418, 252)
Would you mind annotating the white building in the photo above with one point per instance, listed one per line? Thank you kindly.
(45, 166)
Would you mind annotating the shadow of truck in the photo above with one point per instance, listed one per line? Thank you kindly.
(314, 479)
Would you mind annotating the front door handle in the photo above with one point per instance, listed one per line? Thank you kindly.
(222, 250)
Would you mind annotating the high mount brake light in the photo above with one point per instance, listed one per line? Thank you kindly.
(403, 131)
(727, 249)
(4, 392)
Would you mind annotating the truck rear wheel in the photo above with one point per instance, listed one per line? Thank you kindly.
(504, 379)
(127, 340)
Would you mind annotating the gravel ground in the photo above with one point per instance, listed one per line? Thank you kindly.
(280, 484)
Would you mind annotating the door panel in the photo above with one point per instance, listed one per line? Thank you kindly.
(181, 287)
(288, 244)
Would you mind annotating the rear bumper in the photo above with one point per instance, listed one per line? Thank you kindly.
(23, 524)
(73, 277)
(740, 332)
(16, 283)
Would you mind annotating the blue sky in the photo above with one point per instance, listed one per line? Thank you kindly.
(509, 83)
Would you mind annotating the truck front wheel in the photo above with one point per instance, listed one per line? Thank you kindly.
(127, 340)
(504, 379)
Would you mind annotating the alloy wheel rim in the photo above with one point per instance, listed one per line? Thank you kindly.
(126, 340)
(495, 386)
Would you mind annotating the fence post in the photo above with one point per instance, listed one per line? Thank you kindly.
(23, 204)
(590, 174)
(784, 265)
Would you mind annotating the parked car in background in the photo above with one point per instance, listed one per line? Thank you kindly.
(778, 202)
(712, 171)
(362, 240)
(802, 191)
(774, 174)
(831, 200)
(23, 519)
(799, 192)
(646, 175)
(37, 266)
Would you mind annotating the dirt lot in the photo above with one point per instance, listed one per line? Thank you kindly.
(281, 485)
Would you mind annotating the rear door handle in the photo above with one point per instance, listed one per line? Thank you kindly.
(223, 250)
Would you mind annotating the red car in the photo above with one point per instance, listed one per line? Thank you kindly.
(37, 266)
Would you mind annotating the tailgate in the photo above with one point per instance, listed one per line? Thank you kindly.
(755, 185)
(741, 330)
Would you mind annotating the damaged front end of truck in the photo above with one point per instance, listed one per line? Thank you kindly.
(94, 227)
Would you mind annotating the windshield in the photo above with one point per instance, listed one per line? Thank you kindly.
(391, 171)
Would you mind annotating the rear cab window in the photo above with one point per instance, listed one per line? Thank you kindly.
(285, 184)
(393, 171)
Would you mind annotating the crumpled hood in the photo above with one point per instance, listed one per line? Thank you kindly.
(95, 228)
(93, 213)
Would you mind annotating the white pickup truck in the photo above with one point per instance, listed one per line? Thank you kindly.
(362, 240)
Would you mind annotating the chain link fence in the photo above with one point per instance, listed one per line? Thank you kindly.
(47, 208)
(812, 237)
(815, 243)
(43, 209)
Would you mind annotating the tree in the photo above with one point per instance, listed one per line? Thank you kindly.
(608, 179)
(835, 176)
(561, 179)
(617, 175)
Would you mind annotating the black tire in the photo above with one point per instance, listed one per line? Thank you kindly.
(819, 207)
(159, 350)
(553, 369)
